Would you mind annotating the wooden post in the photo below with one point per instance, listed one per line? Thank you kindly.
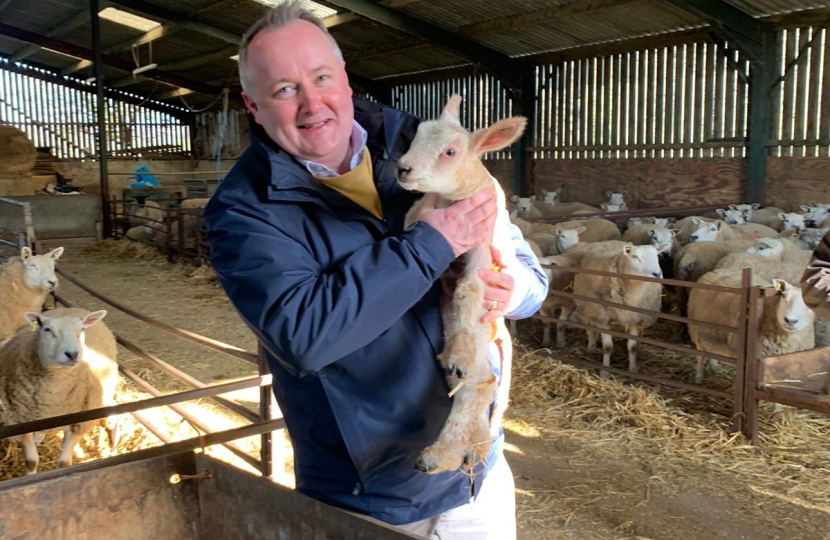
(760, 118)
(101, 110)
(756, 313)
(741, 356)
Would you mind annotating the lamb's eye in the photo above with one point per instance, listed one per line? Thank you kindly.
(450, 152)
(47, 329)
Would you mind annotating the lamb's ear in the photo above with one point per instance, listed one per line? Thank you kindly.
(514, 198)
(781, 285)
(756, 206)
(56, 253)
(34, 319)
(559, 231)
(545, 193)
(25, 252)
(624, 194)
(767, 242)
(697, 221)
(93, 318)
(651, 232)
(733, 206)
(532, 198)
(745, 213)
(608, 194)
(580, 230)
(805, 208)
(500, 135)
(721, 212)
(782, 215)
(808, 216)
(674, 232)
(604, 206)
(452, 110)
(557, 191)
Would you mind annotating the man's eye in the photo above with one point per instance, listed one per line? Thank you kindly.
(323, 78)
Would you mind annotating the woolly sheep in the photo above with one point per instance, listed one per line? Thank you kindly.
(639, 260)
(617, 199)
(808, 238)
(688, 226)
(525, 206)
(550, 205)
(791, 221)
(441, 149)
(596, 229)
(787, 325)
(781, 249)
(558, 281)
(755, 214)
(718, 231)
(24, 283)
(607, 207)
(557, 244)
(66, 365)
(645, 235)
(818, 214)
(525, 227)
(733, 217)
(697, 259)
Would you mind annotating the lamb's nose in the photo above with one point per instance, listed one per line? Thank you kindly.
(791, 322)
(402, 172)
(71, 355)
(694, 238)
(658, 275)
(51, 283)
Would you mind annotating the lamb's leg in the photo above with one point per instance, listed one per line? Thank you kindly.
(592, 339)
(27, 441)
(564, 315)
(607, 345)
(546, 334)
(514, 330)
(632, 350)
(448, 451)
(699, 369)
(71, 435)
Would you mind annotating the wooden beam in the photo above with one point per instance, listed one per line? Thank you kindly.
(760, 118)
(178, 65)
(109, 60)
(506, 68)
(60, 29)
(340, 18)
(101, 115)
(146, 9)
(177, 92)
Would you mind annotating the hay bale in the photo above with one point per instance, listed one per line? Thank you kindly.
(17, 152)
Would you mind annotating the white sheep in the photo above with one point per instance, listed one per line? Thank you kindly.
(550, 205)
(608, 207)
(440, 151)
(66, 364)
(755, 214)
(638, 260)
(695, 260)
(781, 249)
(718, 231)
(652, 235)
(618, 200)
(24, 283)
(524, 226)
(558, 280)
(791, 221)
(733, 216)
(596, 229)
(818, 214)
(525, 206)
(808, 238)
(557, 244)
(787, 325)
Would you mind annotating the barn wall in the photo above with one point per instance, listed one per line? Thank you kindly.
(683, 181)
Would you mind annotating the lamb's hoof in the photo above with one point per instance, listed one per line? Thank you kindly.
(62, 463)
(39, 436)
(454, 370)
(425, 465)
(434, 461)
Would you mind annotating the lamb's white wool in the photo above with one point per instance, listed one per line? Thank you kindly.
(551, 198)
(818, 214)
(617, 199)
(767, 247)
(792, 221)
(733, 217)
(612, 207)
(445, 159)
(24, 283)
(525, 206)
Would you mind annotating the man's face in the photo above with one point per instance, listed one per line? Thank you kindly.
(301, 94)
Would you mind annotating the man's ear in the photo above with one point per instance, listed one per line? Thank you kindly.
(250, 104)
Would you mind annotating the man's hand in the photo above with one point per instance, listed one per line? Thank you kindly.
(465, 224)
(498, 288)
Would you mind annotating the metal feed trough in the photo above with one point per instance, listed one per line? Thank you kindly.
(182, 496)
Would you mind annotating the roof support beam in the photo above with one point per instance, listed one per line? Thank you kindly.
(61, 29)
(186, 63)
(500, 64)
(139, 7)
(101, 115)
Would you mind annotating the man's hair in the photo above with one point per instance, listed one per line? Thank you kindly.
(282, 15)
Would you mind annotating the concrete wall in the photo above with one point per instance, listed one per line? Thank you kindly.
(56, 216)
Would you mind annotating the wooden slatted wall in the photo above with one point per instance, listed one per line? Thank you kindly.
(64, 119)
(485, 101)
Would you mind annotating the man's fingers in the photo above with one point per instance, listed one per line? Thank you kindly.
(496, 279)
(495, 254)
(491, 316)
(472, 203)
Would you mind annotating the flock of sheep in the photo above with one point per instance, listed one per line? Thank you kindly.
(52, 363)
(776, 244)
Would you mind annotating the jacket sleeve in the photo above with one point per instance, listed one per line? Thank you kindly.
(531, 282)
(815, 284)
(310, 316)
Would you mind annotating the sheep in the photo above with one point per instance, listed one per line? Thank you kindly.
(718, 231)
(755, 214)
(556, 245)
(818, 214)
(525, 206)
(617, 199)
(607, 207)
(808, 238)
(558, 281)
(732, 216)
(790, 221)
(525, 227)
(639, 260)
(787, 325)
(659, 222)
(454, 174)
(697, 259)
(781, 249)
(66, 364)
(596, 229)
(551, 206)
(586, 249)
(146, 215)
(643, 235)
(24, 283)
(688, 226)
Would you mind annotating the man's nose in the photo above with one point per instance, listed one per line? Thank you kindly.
(311, 101)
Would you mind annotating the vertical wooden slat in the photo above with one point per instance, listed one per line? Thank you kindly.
(689, 103)
(633, 65)
(650, 99)
(591, 103)
(789, 83)
(700, 95)
(561, 107)
(668, 102)
(816, 59)
(624, 97)
(5, 110)
(711, 84)
(741, 107)
(642, 99)
(824, 115)
(608, 115)
(619, 114)
(679, 95)
(660, 100)
(802, 89)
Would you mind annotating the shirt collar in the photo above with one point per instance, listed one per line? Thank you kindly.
(356, 143)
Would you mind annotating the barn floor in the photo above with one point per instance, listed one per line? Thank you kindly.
(647, 470)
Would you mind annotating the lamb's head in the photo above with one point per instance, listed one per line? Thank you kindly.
(444, 157)
(733, 217)
(664, 238)
(39, 270)
(608, 207)
(768, 247)
(634, 221)
(642, 260)
(745, 208)
(791, 313)
(551, 198)
(817, 214)
(61, 339)
(523, 204)
(663, 221)
(793, 221)
(706, 231)
(617, 199)
(567, 238)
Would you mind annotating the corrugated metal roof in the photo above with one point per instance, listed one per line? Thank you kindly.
(760, 8)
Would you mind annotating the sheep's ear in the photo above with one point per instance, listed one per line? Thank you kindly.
(624, 194)
(674, 232)
(766, 242)
(628, 248)
(733, 206)
(697, 220)
(559, 231)
(514, 213)
(34, 319)
(608, 194)
(580, 230)
(604, 206)
(557, 190)
(781, 285)
(25, 252)
(721, 212)
(782, 215)
(808, 216)
(93, 318)
(514, 198)
(651, 232)
(805, 208)
(545, 193)
(745, 213)
(56, 253)
(452, 110)
(756, 206)
(500, 135)
(532, 198)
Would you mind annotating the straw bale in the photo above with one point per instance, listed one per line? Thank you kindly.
(17, 152)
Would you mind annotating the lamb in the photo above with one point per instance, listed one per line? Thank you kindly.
(790, 221)
(644, 235)
(688, 226)
(467, 434)
(596, 229)
(551, 206)
(556, 245)
(639, 260)
(659, 222)
(24, 283)
(718, 231)
(695, 260)
(66, 364)
(732, 216)
(807, 239)
(607, 207)
(787, 325)
(525, 206)
(146, 215)
(818, 214)
(617, 199)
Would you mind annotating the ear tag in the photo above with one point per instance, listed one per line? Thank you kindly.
(779, 287)
(34, 326)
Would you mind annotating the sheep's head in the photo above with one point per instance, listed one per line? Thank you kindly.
(523, 204)
(767, 247)
(817, 214)
(608, 207)
(444, 157)
(39, 270)
(663, 222)
(812, 237)
(642, 260)
(634, 221)
(551, 197)
(567, 238)
(61, 339)
(791, 313)
(748, 208)
(706, 231)
(663, 237)
(733, 217)
(616, 198)
(793, 221)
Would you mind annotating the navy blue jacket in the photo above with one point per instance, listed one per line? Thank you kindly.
(346, 306)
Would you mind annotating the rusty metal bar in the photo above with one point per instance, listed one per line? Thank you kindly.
(657, 343)
(635, 277)
(151, 428)
(645, 378)
(186, 445)
(266, 453)
(643, 212)
(123, 408)
(657, 314)
(208, 342)
(196, 424)
(740, 366)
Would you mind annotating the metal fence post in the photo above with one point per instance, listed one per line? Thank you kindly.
(741, 357)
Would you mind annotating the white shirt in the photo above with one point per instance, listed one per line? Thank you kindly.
(356, 143)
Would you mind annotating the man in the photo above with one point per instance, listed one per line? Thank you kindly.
(815, 284)
(307, 238)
